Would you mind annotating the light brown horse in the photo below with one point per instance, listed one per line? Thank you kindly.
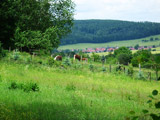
(78, 57)
(85, 59)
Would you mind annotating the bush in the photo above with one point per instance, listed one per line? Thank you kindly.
(91, 67)
(57, 63)
(140, 75)
(31, 87)
(124, 58)
(67, 62)
(15, 56)
(104, 69)
(25, 87)
(13, 85)
(50, 61)
(28, 60)
(77, 66)
(148, 114)
(130, 71)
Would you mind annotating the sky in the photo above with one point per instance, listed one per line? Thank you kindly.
(130, 10)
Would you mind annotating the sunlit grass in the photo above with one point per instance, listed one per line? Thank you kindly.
(114, 44)
(67, 94)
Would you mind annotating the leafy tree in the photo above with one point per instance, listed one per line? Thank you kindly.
(123, 55)
(30, 40)
(124, 58)
(142, 57)
(156, 64)
(95, 57)
(136, 46)
(122, 50)
(36, 17)
(7, 22)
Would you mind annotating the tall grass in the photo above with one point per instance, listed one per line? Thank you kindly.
(70, 93)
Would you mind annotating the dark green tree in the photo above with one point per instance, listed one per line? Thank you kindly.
(35, 16)
(122, 50)
(141, 57)
(156, 64)
(124, 58)
(136, 46)
(124, 55)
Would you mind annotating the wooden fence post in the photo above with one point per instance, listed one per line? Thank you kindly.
(139, 67)
(149, 76)
(110, 68)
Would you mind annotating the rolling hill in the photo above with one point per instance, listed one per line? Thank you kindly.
(115, 43)
(102, 31)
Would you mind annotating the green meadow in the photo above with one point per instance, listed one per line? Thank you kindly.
(114, 43)
(70, 93)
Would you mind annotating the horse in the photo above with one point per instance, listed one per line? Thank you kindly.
(77, 57)
(85, 59)
(58, 58)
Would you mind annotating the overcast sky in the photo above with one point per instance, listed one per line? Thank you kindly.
(131, 10)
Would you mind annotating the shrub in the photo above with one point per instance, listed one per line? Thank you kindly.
(104, 69)
(77, 66)
(13, 85)
(147, 114)
(25, 87)
(67, 62)
(130, 71)
(40, 61)
(57, 63)
(28, 60)
(50, 61)
(91, 67)
(140, 75)
(31, 87)
(16, 55)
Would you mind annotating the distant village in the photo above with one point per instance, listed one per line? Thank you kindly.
(110, 49)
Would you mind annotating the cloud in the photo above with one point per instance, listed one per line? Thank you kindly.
(132, 10)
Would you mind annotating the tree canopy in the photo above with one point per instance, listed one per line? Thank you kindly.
(28, 24)
(101, 31)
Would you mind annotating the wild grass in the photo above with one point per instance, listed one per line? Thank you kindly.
(114, 43)
(71, 93)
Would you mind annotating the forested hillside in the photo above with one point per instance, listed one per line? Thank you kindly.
(100, 31)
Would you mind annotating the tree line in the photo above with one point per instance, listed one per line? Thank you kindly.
(101, 31)
(34, 24)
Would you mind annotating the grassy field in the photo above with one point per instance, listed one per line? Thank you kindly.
(114, 44)
(72, 93)
(133, 51)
